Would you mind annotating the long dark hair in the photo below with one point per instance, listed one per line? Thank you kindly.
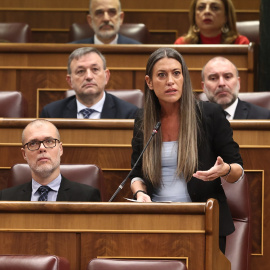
(187, 140)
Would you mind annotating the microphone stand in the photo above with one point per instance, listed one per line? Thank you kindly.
(125, 180)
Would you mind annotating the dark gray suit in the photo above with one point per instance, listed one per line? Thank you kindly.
(113, 108)
(121, 40)
(246, 110)
(69, 191)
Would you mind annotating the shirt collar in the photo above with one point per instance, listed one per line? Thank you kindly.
(97, 41)
(97, 107)
(231, 110)
(54, 185)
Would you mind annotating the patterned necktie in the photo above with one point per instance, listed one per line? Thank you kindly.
(87, 112)
(43, 191)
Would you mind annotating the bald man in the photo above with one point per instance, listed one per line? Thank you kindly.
(221, 84)
(105, 18)
(42, 149)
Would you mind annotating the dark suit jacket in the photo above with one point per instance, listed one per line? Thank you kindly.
(69, 191)
(121, 40)
(113, 108)
(215, 140)
(246, 110)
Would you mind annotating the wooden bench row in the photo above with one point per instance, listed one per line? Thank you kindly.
(29, 67)
(107, 143)
(166, 20)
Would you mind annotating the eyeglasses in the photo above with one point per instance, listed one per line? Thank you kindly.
(35, 145)
(100, 12)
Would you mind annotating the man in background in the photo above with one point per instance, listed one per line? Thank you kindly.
(221, 84)
(42, 149)
(88, 76)
(106, 17)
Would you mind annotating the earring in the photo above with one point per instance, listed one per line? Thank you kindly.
(225, 29)
(195, 29)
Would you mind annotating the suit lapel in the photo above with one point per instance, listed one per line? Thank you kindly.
(63, 192)
(108, 110)
(26, 192)
(71, 109)
(241, 111)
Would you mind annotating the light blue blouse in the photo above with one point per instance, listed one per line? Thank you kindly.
(173, 188)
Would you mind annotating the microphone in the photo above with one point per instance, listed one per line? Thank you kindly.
(155, 131)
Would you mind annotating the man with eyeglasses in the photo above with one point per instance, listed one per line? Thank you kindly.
(106, 17)
(42, 149)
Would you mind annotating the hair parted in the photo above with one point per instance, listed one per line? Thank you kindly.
(78, 53)
(187, 140)
(227, 38)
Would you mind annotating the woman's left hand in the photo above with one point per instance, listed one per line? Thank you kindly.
(220, 168)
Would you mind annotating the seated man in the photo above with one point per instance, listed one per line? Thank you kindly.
(88, 76)
(42, 149)
(221, 84)
(106, 17)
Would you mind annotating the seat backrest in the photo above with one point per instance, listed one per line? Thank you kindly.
(134, 96)
(12, 104)
(15, 32)
(115, 264)
(238, 244)
(33, 262)
(258, 98)
(137, 31)
(88, 174)
(250, 29)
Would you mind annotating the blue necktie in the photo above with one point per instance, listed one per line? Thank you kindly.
(87, 112)
(43, 191)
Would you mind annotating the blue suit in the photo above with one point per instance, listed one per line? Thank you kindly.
(121, 40)
(113, 108)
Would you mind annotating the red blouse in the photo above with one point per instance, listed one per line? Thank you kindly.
(214, 40)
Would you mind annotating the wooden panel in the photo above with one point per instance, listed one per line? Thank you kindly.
(114, 230)
(109, 143)
(63, 244)
(126, 4)
(26, 67)
(55, 17)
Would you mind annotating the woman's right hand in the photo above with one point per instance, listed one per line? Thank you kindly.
(141, 197)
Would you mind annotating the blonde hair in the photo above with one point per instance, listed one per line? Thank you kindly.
(227, 38)
(187, 140)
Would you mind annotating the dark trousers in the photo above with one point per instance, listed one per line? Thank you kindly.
(222, 243)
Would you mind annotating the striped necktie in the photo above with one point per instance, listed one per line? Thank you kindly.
(43, 191)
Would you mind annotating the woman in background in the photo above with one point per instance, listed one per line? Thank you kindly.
(193, 148)
(212, 22)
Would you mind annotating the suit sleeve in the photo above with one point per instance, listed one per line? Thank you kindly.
(137, 147)
(221, 136)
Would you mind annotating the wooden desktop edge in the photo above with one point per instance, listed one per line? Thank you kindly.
(139, 48)
(118, 123)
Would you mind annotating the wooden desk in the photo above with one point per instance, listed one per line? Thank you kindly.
(108, 144)
(29, 67)
(82, 231)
